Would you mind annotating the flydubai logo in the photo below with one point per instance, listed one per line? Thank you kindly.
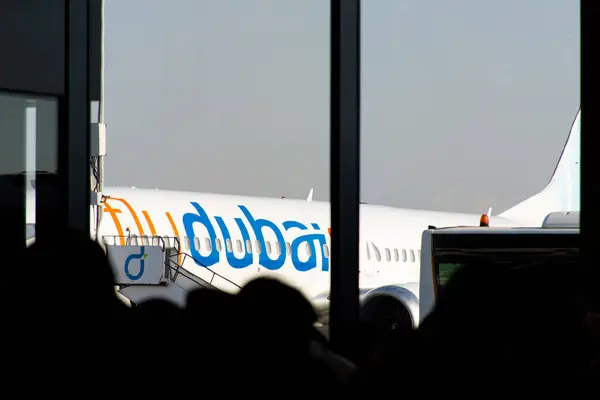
(141, 256)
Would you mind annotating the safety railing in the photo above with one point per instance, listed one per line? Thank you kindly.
(177, 266)
(143, 240)
(173, 261)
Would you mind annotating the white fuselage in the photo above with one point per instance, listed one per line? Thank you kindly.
(223, 233)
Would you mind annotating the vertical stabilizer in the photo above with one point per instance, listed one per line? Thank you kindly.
(562, 192)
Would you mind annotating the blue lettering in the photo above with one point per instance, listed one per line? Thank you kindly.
(136, 256)
(189, 219)
(235, 262)
(294, 224)
(322, 242)
(257, 225)
(309, 264)
(315, 240)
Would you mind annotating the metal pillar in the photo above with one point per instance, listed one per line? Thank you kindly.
(74, 144)
(345, 169)
(590, 143)
(98, 129)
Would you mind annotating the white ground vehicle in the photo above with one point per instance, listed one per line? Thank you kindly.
(445, 250)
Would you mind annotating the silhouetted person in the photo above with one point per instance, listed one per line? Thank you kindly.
(72, 271)
(281, 337)
(158, 311)
(70, 298)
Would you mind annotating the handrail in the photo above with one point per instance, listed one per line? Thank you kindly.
(194, 278)
(186, 255)
(128, 240)
(172, 264)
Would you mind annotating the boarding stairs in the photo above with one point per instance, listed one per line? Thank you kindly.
(148, 267)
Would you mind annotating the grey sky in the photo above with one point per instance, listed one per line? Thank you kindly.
(466, 104)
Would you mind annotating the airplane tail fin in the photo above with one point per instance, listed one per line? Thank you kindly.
(562, 192)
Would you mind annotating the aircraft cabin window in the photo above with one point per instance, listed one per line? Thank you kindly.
(156, 241)
(396, 255)
(197, 243)
(308, 249)
(219, 246)
(278, 248)
(208, 244)
(377, 253)
(412, 256)
(228, 245)
(249, 246)
(325, 251)
(404, 255)
(388, 255)
(167, 241)
(186, 242)
(268, 246)
(258, 249)
(238, 245)
(145, 241)
(288, 248)
(368, 252)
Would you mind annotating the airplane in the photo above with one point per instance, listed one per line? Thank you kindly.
(242, 238)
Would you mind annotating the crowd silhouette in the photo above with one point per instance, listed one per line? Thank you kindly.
(493, 331)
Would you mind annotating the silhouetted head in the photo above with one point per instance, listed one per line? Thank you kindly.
(275, 298)
(469, 304)
(210, 305)
(70, 267)
(157, 310)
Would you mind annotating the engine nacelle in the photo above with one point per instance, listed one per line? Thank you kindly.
(386, 303)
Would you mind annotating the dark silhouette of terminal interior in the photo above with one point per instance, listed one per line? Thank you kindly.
(493, 330)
